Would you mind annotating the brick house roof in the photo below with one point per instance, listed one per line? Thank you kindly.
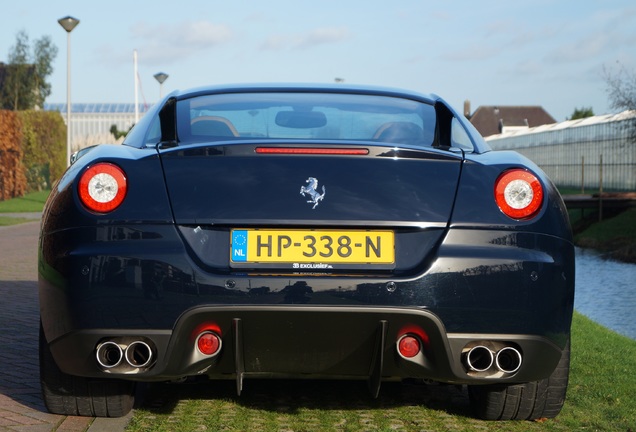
(490, 120)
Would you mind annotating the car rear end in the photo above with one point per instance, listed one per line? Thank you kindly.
(306, 232)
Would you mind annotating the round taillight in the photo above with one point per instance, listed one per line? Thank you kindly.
(409, 346)
(102, 187)
(518, 194)
(208, 343)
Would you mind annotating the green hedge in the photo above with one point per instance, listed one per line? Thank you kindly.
(32, 151)
(12, 176)
(44, 148)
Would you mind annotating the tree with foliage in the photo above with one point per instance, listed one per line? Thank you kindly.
(117, 133)
(621, 90)
(24, 86)
(580, 113)
(44, 53)
(17, 92)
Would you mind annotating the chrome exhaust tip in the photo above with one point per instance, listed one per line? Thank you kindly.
(139, 354)
(109, 354)
(479, 359)
(508, 360)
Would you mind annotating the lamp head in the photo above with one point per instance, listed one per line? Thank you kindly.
(68, 23)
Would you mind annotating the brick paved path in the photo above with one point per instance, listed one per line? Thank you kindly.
(21, 406)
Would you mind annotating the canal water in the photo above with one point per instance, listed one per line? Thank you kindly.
(606, 291)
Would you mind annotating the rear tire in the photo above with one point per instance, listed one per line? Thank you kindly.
(78, 396)
(529, 401)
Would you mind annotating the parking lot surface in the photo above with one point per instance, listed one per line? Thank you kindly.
(21, 406)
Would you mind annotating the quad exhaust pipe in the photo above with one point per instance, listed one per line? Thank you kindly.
(109, 354)
(481, 358)
(137, 354)
(508, 360)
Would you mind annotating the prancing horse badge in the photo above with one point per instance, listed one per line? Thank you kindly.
(311, 190)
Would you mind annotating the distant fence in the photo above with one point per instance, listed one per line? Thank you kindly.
(91, 123)
(593, 175)
(587, 154)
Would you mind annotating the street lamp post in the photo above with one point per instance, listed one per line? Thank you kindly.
(68, 23)
(161, 77)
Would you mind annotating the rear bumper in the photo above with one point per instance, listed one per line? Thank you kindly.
(128, 283)
(308, 342)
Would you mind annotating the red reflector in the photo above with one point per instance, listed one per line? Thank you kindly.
(409, 346)
(208, 343)
(312, 150)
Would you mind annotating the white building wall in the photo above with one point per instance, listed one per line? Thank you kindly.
(571, 152)
(91, 123)
(90, 129)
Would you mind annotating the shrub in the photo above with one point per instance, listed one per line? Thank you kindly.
(44, 147)
(12, 172)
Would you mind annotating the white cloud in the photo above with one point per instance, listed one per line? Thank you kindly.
(315, 37)
(276, 43)
(163, 43)
(498, 28)
(587, 48)
(322, 36)
(600, 35)
(202, 33)
(530, 68)
(472, 53)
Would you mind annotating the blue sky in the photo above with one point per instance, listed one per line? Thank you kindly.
(540, 52)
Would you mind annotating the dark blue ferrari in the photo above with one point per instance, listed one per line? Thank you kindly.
(274, 231)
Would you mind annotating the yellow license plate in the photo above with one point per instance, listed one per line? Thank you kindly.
(312, 246)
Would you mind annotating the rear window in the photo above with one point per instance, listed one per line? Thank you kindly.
(305, 116)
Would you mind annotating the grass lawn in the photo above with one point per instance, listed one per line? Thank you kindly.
(6, 221)
(32, 202)
(600, 398)
(619, 226)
